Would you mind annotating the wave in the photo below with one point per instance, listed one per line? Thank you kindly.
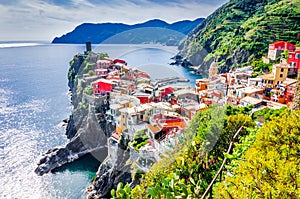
(19, 44)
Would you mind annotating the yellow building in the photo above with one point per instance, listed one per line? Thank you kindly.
(278, 75)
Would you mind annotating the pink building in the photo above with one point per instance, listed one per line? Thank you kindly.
(276, 48)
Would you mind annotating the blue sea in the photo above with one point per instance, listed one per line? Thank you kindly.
(34, 100)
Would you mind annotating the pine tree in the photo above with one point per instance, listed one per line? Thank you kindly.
(296, 103)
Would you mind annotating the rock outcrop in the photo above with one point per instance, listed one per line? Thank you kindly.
(113, 170)
(87, 133)
(88, 130)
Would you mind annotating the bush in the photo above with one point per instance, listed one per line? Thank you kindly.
(89, 90)
(91, 73)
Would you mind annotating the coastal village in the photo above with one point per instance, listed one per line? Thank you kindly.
(153, 114)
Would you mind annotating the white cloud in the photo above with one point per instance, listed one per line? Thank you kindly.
(42, 20)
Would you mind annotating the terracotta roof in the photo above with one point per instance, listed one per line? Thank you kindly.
(152, 128)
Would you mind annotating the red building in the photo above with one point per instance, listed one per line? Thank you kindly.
(294, 59)
(276, 48)
(102, 86)
(166, 91)
(143, 97)
(120, 61)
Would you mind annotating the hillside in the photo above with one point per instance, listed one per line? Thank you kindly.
(240, 31)
(133, 34)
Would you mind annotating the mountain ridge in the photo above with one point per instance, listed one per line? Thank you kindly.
(98, 33)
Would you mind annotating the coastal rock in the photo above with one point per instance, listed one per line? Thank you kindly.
(86, 132)
(89, 139)
(111, 172)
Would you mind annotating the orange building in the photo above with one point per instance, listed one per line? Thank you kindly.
(201, 85)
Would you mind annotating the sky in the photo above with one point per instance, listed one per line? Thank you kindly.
(33, 20)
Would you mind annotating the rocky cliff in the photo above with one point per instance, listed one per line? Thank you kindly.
(239, 32)
(88, 131)
(83, 129)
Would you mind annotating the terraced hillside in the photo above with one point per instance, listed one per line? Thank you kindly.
(240, 31)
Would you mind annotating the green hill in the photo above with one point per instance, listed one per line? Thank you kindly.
(240, 31)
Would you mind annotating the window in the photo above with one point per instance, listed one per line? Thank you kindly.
(281, 75)
(292, 64)
(297, 56)
(282, 70)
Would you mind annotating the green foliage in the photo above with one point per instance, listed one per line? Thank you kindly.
(79, 89)
(76, 79)
(285, 54)
(260, 66)
(267, 113)
(101, 55)
(71, 63)
(240, 31)
(186, 172)
(240, 149)
(91, 73)
(121, 192)
(232, 110)
(271, 166)
(87, 67)
(264, 163)
(88, 90)
(139, 140)
(83, 105)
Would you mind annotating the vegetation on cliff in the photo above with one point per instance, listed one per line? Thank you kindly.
(264, 163)
(270, 168)
(239, 32)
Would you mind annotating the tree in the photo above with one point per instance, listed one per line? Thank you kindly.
(271, 167)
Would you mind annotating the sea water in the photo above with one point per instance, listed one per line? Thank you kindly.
(34, 100)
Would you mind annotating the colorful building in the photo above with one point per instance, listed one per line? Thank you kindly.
(103, 64)
(102, 86)
(294, 60)
(201, 85)
(276, 48)
(101, 73)
(143, 97)
(120, 61)
(289, 86)
(278, 75)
